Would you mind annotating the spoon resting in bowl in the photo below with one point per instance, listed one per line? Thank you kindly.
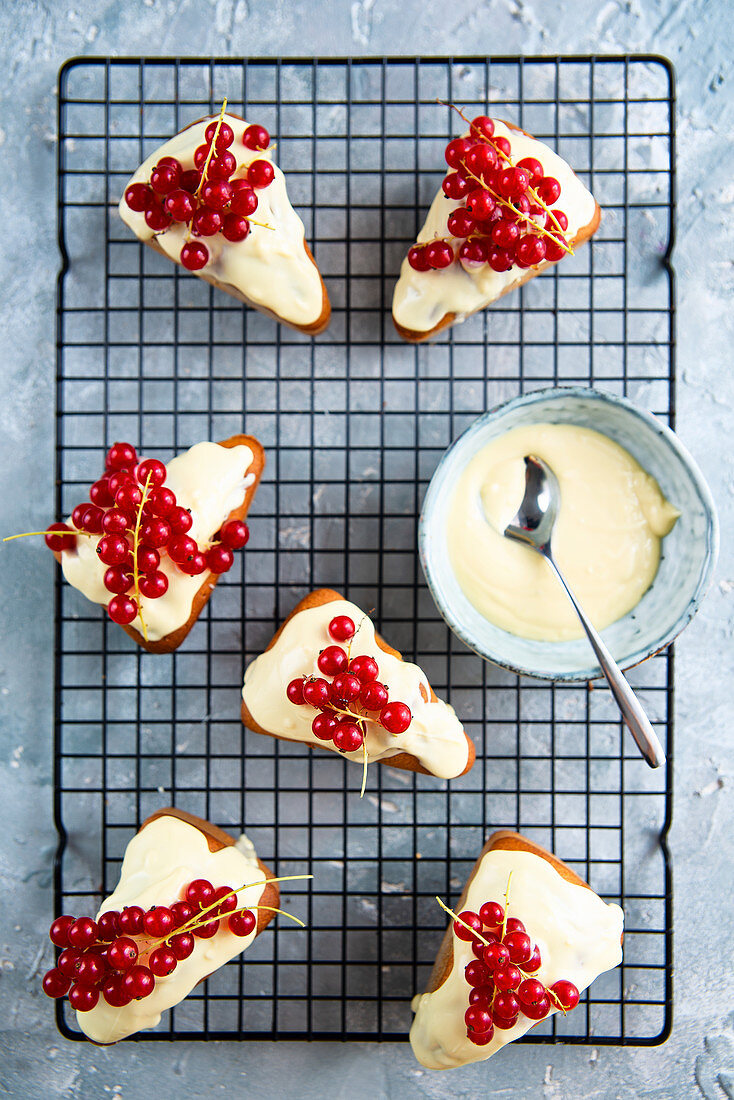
(533, 526)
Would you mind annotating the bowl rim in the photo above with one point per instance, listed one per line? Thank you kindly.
(652, 422)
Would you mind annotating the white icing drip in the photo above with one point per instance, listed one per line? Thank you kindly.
(578, 935)
(435, 736)
(160, 861)
(271, 266)
(423, 298)
(209, 480)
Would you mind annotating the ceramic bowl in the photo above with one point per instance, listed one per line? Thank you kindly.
(688, 553)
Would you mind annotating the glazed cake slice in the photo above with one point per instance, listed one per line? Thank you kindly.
(490, 229)
(172, 850)
(236, 228)
(574, 937)
(401, 722)
(213, 485)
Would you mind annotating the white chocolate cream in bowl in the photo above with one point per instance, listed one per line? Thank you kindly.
(606, 540)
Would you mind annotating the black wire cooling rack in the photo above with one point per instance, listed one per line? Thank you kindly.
(353, 424)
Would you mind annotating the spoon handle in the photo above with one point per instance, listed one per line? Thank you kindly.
(634, 716)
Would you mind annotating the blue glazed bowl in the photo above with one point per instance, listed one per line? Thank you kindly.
(688, 556)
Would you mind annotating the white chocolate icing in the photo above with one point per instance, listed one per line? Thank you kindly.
(271, 266)
(578, 934)
(160, 861)
(606, 540)
(435, 736)
(209, 480)
(422, 298)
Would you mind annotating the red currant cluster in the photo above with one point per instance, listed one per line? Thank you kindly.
(501, 986)
(139, 519)
(121, 954)
(354, 692)
(206, 197)
(505, 216)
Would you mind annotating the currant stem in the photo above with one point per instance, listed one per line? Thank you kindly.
(72, 531)
(462, 922)
(136, 543)
(212, 148)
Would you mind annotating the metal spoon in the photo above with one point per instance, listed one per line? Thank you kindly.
(533, 526)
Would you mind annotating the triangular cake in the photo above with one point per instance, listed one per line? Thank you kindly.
(225, 215)
(530, 937)
(508, 208)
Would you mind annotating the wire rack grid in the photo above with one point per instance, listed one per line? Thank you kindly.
(353, 424)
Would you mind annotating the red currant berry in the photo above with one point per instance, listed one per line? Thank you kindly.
(83, 998)
(190, 180)
(216, 194)
(69, 962)
(200, 892)
(138, 196)
(496, 956)
(456, 151)
(455, 186)
(460, 223)
(206, 931)
(244, 200)
(473, 252)
(180, 520)
(122, 610)
(194, 255)
(549, 190)
(472, 920)
(514, 925)
(373, 696)
(243, 923)
(92, 519)
(219, 559)
(162, 962)
(161, 501)
(502, 144)
(170, 162)
(480, 159)
(480, 204)
(122, 953)
(221, 167)
(182, 945)
(77, 515)
(182, 913)
(530, 992)
(507, 978)
(179, 205)
(156, 218)
(534, 962)
(100, 494)
(476, 973)
(227, 901)
(164, 178)
(153, 585)
(92, 969)
(117, 579)
(396, 717)
(235, 534)
(225, 136)
(256, 137)
(117, 479)
(324, 726)
(260, 173)
(480, 1038)
(345, 687)
(566, 993)
(200, 154)
(554, 251)
(534, 169)
(294, 691)
(316, 692)
(138, 983)
(492, 914)
(530, 250)
(560, 218)
(151, 471)
(114, 992)
(417, 258)
(332, 660)
(519, 946)
(128, 499)
(477, 1019)
(365, 668)
(108, 926)
(195, 565)
(482, 127)
(506, 1005)
(439, 254)
(131, 920)
(115, 522)
(481, 995)
(348, 737)
(55, 984)
(112, 549)
(58, 933)
(512, 183)
(342, 628)
(539, 1010)
(505, 234)
(235, 228)
(207, 222)
(181, 547)
(478, 947)
(155, 533)
(62, 538)
(82, 932)
(499, 260)
(148, 559)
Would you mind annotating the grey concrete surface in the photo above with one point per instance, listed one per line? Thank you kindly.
(35, 38)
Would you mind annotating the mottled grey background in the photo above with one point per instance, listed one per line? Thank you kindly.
(35, 39)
